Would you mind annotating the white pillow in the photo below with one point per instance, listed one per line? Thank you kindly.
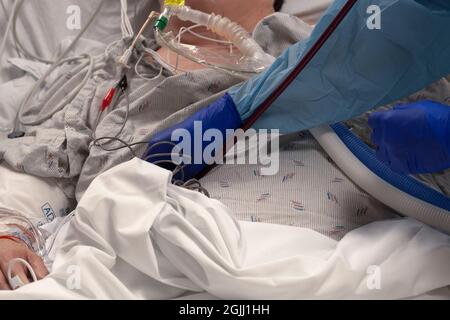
(39, 199)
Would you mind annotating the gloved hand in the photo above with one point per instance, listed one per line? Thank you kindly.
(413, 138)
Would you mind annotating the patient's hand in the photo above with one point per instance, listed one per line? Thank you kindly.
(10, 249)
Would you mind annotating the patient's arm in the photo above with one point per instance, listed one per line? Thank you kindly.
(16, 241)
(11, 249)
(21, 203)
(248, 13)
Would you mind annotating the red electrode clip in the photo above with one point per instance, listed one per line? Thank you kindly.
(107, 100)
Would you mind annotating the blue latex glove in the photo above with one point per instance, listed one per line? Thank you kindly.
(220, 115)
(413, 138)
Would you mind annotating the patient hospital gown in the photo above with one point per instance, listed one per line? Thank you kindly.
(61, 147)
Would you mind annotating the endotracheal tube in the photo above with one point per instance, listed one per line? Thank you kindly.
(255, 59)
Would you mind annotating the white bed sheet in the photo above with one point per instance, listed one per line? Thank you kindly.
(135, 236)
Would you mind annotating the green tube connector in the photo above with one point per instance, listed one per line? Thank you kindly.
(161, 23)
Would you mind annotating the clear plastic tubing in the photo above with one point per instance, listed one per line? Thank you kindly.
(225, 28)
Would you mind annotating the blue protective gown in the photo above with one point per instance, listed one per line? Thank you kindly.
(358, 68)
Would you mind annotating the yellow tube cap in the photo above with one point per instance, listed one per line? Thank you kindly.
(177, 3)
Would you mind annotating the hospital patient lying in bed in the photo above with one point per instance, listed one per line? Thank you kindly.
(62, 163)
(44, 173)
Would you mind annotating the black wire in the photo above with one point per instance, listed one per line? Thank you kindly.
(192, 184)
(278, 5)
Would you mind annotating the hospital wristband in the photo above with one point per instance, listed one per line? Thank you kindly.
(12, 238)
(15, 233)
